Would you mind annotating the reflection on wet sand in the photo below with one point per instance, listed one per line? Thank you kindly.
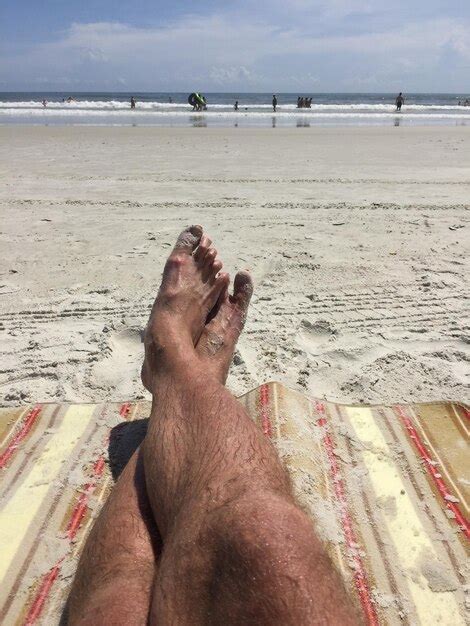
(303, 122)
(197, 121)
(397, 121)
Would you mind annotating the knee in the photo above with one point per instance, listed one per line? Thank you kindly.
(272, 516)
(268, 544)
(267, 534)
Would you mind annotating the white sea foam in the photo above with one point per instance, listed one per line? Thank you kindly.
(81, 112)
(117, 105)
(156, 112)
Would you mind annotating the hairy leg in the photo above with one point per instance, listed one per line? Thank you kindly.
(116, 570)
(237, 548)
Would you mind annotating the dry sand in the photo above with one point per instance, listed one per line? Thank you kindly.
(357, 239)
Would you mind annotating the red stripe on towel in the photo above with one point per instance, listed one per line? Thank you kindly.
(41, 596)
(360, 577)
(81, 506)
(28, 423)
(429, 463)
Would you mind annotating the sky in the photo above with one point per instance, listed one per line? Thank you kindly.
(248, 45)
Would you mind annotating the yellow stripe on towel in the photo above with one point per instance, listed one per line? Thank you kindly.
(410, 538)
(20, 511)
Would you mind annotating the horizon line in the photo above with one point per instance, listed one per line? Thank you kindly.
(449, 93)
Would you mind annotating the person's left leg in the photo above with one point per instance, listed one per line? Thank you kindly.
(115, 575)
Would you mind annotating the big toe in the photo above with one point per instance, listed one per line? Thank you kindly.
(242, 290)
(189, 239)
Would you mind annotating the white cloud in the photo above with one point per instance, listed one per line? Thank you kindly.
(221, 52)
(226, 76)
(93, 54)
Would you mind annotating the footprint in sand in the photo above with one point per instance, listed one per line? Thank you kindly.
(120, 368)
(314, 335)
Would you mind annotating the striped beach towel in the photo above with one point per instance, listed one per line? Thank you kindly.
(387, 488)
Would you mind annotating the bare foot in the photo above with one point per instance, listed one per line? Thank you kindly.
(219, 337)
(191, 287)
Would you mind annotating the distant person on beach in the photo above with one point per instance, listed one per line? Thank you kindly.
(274, 103)
(203, 526)
(304, 103)
(235, 106)
(198, 101)
(170, 100)
(132, 102)
(44, 103)
(399, 101)
(201, 104)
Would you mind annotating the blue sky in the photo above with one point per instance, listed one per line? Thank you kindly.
(248, 45)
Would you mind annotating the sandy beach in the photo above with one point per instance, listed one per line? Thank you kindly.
(357, 239)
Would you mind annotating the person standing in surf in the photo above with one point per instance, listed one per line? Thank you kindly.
(399, 101)
(274, 103)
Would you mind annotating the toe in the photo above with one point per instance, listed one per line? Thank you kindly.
(189, 239)
(216, 267)
(223, 296)
(220, 287)
(210, 257)
(208, 263)
(242, 290)
(219, 292)
(215, 295)
(203, 247)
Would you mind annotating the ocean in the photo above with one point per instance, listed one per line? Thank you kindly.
(255, 109)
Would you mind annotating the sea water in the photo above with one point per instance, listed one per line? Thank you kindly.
(255, 109)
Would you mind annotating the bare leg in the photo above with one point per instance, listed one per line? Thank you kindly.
(116, 571)
(237, 548)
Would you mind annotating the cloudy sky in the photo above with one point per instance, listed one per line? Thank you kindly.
(246, 45)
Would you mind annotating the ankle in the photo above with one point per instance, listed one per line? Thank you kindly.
(166, 356)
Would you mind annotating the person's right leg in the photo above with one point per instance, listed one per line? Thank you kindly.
(237, 548)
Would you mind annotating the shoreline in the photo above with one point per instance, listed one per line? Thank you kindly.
(249, 121)
(253, 110)
(353, 129)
